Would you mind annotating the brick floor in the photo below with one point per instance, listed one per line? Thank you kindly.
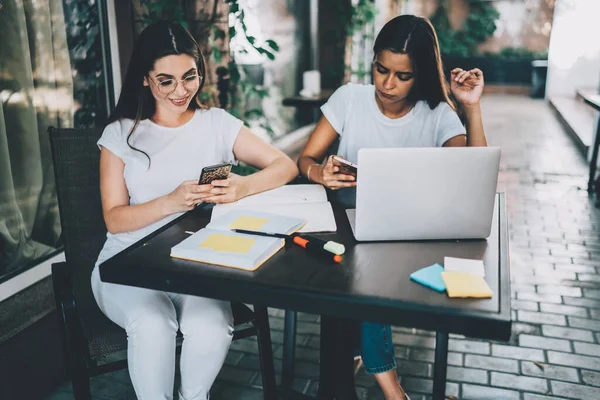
(555, 269)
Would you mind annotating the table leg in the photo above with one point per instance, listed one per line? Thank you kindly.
(594, 160)
(289, 350)
(440, 366)
(336, 370)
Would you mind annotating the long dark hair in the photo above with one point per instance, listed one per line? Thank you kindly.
(416, 37)
(158, 40)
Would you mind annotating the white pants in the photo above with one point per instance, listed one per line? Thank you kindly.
(151, 319)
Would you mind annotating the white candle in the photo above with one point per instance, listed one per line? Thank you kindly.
(311, 80)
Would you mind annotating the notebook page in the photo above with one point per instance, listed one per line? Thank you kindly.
(243, 218)
(288, 194)
(319, 216)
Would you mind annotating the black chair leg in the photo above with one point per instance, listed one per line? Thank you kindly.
(81, 385)
(289, 350)
(265, 352)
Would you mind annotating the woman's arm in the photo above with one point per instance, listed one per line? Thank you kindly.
(474, 125)
(121, 217)
(276, 169)
(467, 88)
(309, 162)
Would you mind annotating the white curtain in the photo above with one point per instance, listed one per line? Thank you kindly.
(36, 91)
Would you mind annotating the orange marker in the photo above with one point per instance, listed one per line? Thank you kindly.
(316, 249)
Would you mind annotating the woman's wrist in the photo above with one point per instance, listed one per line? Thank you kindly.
(312, 168)
(470, 109)
(164, 206)
(245, 183)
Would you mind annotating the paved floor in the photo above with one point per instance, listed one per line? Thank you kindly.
(554, 352)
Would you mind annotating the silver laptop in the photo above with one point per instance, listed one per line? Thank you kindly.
(425, 193)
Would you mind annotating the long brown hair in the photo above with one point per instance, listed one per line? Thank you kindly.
(158, 40)
(416, 37)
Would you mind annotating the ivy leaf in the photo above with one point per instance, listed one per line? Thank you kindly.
(234, 74)
(262, 93)
(251, 39)
(272, 44)
(253, 113)
(218, 33)
(270, 55)
(216, 55)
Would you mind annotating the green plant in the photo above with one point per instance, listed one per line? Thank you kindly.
(479, 26)
(242, 89)
(362, 15)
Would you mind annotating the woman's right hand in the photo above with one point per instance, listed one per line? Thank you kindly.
(186, 196)
(330, 177)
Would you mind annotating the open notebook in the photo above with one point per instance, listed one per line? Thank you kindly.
(308, 202)
(217, 244)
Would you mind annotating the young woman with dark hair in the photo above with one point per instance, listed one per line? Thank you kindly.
(152, 151)
(408, 105)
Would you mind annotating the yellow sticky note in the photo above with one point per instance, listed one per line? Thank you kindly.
(248, 223)
(460, 284)
(228, 243)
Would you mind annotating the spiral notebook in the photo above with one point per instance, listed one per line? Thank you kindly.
(218, 244)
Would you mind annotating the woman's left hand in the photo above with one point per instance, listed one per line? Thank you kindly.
(228, 190)
(466, 86)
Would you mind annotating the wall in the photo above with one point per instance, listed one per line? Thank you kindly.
(574, 53)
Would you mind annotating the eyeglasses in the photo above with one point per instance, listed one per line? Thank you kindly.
(168, 86)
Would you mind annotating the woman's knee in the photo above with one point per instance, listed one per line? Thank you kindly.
(151, 321)
(213, 327)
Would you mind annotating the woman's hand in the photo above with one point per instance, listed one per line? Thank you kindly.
(330, 177)
(228, 190)
(187, 196)
(466, 86)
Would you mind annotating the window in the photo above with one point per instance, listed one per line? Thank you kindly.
(52, 73)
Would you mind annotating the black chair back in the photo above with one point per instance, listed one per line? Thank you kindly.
(76, 167)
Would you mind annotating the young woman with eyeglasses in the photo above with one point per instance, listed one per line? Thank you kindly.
(157, 141)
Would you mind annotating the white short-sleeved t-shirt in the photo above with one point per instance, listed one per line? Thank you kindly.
(176, 154)
(355, 116)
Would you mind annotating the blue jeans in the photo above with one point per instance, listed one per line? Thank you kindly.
(376, 347)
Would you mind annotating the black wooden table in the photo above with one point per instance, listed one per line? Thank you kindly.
(593, 100)
(371, 284)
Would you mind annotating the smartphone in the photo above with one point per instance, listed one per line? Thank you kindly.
(345, 166)
(214, 172)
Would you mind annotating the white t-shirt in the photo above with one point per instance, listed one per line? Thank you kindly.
(355, 116)
(176, 154)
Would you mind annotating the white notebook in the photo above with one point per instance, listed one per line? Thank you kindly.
(218, 244)
(308, 202)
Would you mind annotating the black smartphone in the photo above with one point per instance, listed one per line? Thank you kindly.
(345, 166)
(214, 173)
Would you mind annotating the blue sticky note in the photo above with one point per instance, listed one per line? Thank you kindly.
(431, 277)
